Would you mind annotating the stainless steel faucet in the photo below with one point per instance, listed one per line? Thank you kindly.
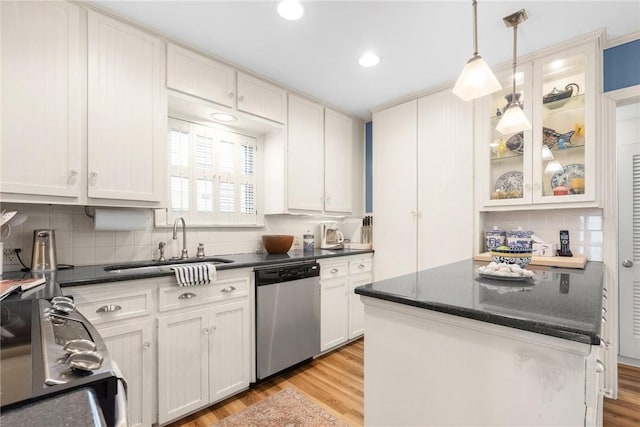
(185, 254)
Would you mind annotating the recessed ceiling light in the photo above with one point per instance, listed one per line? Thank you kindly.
(290, 9)
(369, 59)
(222, 117)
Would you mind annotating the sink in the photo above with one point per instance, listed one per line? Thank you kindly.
(161, 266)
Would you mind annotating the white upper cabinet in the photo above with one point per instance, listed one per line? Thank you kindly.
(197, 75)
(553, 164)
(338, 147)
(262, 99)
(41, 85)
(305, 160)
(126, 112)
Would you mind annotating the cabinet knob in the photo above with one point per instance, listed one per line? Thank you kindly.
(146, 345)
(627, 263)
(600, 368)
(228, 289)
(108, 308)
(360, 266)
(241, 98)
(187, 295)
(205, 331)
(230, 94)
(93, 178)
(73, 174)
(333, 271)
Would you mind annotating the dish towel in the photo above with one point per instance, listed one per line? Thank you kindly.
(195, 274)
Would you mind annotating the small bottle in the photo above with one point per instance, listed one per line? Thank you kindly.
(308, 241)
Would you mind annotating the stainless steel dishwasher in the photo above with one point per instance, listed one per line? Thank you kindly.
(287, 316)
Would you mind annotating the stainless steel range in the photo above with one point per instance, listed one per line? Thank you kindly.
(47, 349)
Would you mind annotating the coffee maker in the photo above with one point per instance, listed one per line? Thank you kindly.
(332, 238)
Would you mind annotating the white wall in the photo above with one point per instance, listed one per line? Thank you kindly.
(584, 225)
(77, 242)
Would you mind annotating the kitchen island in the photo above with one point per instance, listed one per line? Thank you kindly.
(447, 347)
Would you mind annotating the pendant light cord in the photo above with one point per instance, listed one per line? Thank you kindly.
(474, 3)
(515, 55)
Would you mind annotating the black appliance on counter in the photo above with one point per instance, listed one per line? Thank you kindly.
(40, 341)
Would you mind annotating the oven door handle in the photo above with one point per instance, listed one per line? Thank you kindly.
(120, 418)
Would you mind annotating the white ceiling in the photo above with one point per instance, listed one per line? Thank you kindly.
(422, 44)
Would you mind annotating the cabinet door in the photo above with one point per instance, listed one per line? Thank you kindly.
(229, 350)
(305, 160)
(445, 179)
(338, 145)
(504, 161)
(130, 346)
(262, 99)
(40, 151)
(183, 364)
(126, 112)
(565, 90)
(356, 307)
(196, 75)
(333, 312)
(394, 192)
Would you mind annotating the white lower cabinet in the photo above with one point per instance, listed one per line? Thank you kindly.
(334, 312)
(203, 357)
(130, 345)
(342, 312)
(204, 343)
(122, 313)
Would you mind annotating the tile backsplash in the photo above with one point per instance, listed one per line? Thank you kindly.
(584, 225)
(78, 243)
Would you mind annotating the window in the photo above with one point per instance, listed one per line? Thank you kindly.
(212, 175)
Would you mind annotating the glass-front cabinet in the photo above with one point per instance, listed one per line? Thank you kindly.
(553, 163)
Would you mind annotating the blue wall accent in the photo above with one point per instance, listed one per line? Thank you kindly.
(622, 66)
(368, 138)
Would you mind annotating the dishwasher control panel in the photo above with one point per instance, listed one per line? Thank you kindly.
(286, 272)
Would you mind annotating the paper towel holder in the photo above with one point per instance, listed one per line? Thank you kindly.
(117, 219)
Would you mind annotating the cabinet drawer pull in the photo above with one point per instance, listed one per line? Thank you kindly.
(187, 295)
(360, 266)
(600, 367)
(333, 271)
(228, 289)
(109, 308)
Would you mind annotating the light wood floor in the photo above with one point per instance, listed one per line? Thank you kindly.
(336, 382)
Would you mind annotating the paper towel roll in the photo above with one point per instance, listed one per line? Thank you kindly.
(120, 219)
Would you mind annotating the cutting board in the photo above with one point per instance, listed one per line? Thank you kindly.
(576, 261)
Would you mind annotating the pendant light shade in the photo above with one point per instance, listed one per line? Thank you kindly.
(514, 120)
(476, 79)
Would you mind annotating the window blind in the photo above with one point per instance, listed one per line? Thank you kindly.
(212, 175)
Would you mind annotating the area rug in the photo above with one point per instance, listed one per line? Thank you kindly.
(287, 408)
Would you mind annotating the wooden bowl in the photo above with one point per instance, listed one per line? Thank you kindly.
(277, 243)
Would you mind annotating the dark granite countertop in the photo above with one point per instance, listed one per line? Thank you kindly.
(564, 303)
(78, 408)
(92, 274)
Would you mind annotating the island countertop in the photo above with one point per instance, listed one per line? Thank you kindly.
(564, 303)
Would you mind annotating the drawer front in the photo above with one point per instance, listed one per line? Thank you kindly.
(363, 265)
(174, 297)
(100, 307)
(333, 270)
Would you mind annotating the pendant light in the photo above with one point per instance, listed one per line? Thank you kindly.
(476, 79)
(514, 120)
